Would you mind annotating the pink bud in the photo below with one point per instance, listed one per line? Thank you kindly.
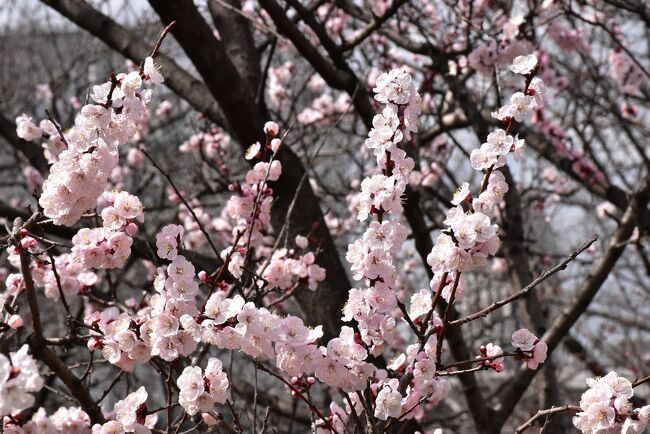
(275, 145)
(135, 158)
(311, 380)
(28, 243)
(203, 276)
(14, 372)
(271, 128)
(131, 303)
(94, 343)
(131, 228)
(75, 102)
(208, 419)
(295, 380)
(173, 197)
(15, 322)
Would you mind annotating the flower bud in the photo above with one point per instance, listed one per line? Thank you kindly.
(275, 145)
(131, 303)
(94, 343)
(15, 322)
(208, 419)
(131, 228)
(271, 129)
(28, 243)
(203, 276)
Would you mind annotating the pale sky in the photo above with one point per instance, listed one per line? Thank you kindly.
(13, 13)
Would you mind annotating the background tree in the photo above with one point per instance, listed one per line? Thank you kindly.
(314, 69)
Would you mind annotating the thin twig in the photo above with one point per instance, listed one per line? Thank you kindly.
(158, 43)
(546, 412)
(187, 205)
(58, 128)
(542, 277)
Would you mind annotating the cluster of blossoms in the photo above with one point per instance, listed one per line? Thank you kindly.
(606, 407)
(18, 378)
(131, 415)
(165, 331)
(492, 153)
(73, 278)
(249, 210)
(279, 79)
(118, 338)
(420, 360)
(529, 348)
(471, 237)
(371, 256)
(157, 330)
(122, 212)
(81, 169)
(65, 420)
(200, 390)
(101, 248)
(26, 129)
(285, 270)
(625, 71)
(110, 245)
(493, 353)
(470, 240)
(485, 56)
(324, 108)
(213, 144)
(231, 323)
(168, 241)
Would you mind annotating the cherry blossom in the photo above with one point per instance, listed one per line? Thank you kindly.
(605, 406)
(529, 348)
(199, 389)
(152, 71)
(388, 403)
(524, 65)
(18, 378)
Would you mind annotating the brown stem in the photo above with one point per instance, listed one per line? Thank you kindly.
(38, 343)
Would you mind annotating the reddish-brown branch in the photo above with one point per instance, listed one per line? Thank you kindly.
(517, 295)
(38, 343)
(543, 413)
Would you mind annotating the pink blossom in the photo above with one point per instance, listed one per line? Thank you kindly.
(26, 129)
(388, 403)
(523, 340)
(152, 71)
(524, 65)
(15, 321)
(271, 129)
